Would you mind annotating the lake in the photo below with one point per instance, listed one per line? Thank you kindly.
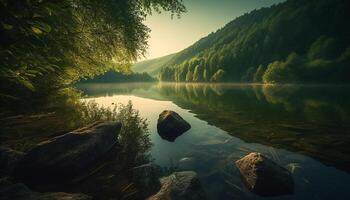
(303, 128)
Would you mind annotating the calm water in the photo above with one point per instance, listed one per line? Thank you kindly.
(304, 128)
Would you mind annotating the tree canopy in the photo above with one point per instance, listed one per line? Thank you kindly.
(47, 44)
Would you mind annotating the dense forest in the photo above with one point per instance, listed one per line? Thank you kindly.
(117, 77)
(296, 41)
(46, 46)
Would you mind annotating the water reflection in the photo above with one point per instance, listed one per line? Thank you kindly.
(311, 120)
(302, 119)
(211, 151)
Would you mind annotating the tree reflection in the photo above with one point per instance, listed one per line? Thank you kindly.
(299, 118)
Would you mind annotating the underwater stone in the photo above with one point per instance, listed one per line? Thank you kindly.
(264, 177)
(187, 163)
(180, 186)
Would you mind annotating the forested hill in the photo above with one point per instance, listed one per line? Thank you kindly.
(152, 66)
(113, 76)
(295, 41)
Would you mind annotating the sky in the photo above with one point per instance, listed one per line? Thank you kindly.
(203, 17)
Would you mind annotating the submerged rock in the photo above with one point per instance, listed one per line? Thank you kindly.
(187, 163)
(264, 177)
(63, 157)
(171, 125)
(180, 186)
(146, 179)
(8, 160)
(21, 192)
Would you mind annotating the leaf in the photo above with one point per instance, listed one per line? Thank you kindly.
(41, 27)
(7, 26)
(6, 96)
(45, 27)
(37, 16)
(26, 84)
(52, 8)
(36, 30)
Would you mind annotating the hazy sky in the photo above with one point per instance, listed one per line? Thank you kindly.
(203, 17)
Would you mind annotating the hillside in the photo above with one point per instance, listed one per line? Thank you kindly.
(152, 66)
(295, 41)
(118, 77)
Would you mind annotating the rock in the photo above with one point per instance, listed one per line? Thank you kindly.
(21, 192)
(264, 177)
(187, 163)
(5, 181)
(8, 160)
(63, 157)
(62, 196)
(146, 179)
(171, 125)
(180, 186)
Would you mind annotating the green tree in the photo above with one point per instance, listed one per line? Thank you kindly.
(323, 47)
(283, 72)
(189, 76)
(205, 75)
(198, 73)
(259, 74)
(46, 45)
(219, 76)
(315, 30)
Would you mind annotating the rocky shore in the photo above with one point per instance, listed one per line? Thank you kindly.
(65, 158)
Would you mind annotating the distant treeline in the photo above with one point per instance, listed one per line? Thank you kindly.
(295, 41)
(117, 77)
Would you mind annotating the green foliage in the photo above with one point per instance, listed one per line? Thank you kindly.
(277, 72)
(134, 136)
(283, 72)
(76, 113)
(189, 76)
(316, 30)
(258, 74)
(219, 76)
(249, 75)
(205, 75)
(198, 73)
(46, 45)
(118, 77)
(323, 47)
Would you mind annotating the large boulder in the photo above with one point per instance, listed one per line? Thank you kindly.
(63, 157)
(180, 186)
(264, 177)
(171, 125)
(21, 192)
(8, 160)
